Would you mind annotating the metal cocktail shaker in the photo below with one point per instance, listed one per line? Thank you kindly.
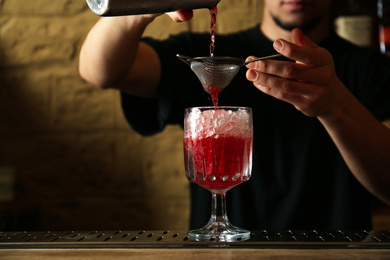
(131, 7)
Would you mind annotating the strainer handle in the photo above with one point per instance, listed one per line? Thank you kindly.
(262, 58)
(185, 59)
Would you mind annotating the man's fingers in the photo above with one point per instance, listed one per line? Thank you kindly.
(298, 38)
(302, 50)
(181, 16)
(311, 56)
(290, 70)
(279, 84)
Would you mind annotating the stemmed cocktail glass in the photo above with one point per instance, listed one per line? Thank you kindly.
(218, 156)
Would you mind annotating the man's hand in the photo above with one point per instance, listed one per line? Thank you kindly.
(310, 84)
(181, 16)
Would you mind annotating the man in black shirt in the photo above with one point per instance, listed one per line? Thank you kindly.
(321, 115)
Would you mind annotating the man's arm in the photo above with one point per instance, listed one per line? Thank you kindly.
(364, 143)
(113, 57)
(312, 86)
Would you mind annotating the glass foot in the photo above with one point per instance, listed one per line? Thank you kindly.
(219, 232)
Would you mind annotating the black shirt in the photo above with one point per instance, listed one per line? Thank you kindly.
(299, 179)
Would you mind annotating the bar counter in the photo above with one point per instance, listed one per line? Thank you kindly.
(200, 253)
(263, 244)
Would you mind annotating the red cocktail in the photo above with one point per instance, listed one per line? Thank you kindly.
(218, 163)
(218, 156)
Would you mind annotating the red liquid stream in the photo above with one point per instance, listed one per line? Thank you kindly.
(212, 90)
(218, 164)
(213, 14)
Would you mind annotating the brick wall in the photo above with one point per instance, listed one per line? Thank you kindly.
(78, 165)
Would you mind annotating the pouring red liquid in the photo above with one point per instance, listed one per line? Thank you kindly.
(213, 14)
(212, 90)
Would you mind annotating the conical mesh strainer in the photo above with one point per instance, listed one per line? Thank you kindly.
(217, 72)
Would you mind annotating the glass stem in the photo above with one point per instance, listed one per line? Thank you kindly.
(218, 208)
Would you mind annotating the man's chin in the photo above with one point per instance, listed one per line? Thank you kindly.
(304, 26)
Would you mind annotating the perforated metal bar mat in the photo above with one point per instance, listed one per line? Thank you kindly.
(168, 238)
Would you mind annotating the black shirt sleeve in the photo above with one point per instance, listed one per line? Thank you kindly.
(150, 116)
